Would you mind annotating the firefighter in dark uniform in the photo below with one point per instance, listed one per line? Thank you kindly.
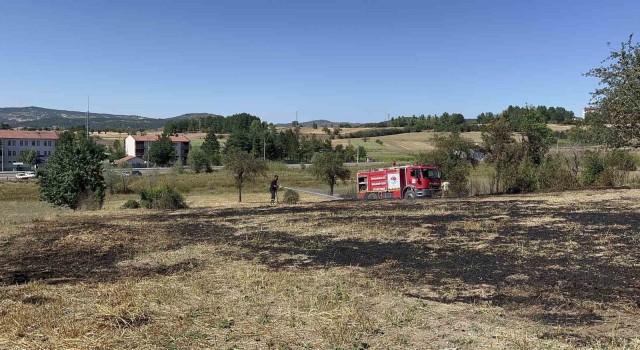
(274, 189)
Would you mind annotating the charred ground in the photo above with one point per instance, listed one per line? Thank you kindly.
(566, 266)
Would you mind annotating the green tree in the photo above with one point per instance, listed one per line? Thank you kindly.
(211, 144)
(28, 157)
(239, 139)
(198, 160)
(529, 122)
(617, 98)
(537, 140)
(497, 138)
(243, 167)
(117, 151)
(162, 151)
(211, 147)
(454, 155)
(328, 167)
(362, 153)
(485, 117)
(73, 176)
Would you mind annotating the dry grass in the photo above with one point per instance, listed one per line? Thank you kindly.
(530, 272)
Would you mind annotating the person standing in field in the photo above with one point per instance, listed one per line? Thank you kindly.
(274, 189)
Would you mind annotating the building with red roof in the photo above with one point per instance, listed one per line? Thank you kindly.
(16, 142)
(138, 145)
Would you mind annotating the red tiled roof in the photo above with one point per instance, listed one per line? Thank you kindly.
(152, 138)
(145, 137)
(30, 135)
(179, 139)
(125, 159)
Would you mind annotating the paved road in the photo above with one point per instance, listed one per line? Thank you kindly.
(11, 175)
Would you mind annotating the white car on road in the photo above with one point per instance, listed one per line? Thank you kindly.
(26, 176)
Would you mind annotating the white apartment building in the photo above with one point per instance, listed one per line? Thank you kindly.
(16, 142)
(138, 145)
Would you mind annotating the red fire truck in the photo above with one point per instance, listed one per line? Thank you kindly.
(408, 181)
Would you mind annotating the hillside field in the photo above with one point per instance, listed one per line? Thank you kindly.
(400, 147)
(543, 271)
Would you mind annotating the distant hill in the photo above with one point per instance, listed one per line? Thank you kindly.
(48, 118)
(193, 115)
(320, 123)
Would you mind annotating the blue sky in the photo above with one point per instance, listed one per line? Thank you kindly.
(351, 61)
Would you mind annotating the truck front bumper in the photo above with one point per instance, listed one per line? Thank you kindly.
(427, 192)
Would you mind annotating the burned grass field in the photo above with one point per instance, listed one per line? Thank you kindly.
(539, 271)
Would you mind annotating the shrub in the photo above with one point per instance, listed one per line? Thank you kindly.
(163, 197)
(525, 179)
(592, 167)
(378, 141)
(198, 160)
(178, 168)
(620, 160)
(290, 197)
(554, 174)
(130, 204)
(606, 168)
(458, 177)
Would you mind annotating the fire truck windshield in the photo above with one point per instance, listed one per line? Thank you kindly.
(430, 173)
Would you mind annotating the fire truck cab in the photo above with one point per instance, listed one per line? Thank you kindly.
(409, 181)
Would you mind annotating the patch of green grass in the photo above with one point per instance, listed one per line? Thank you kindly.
(18, 191)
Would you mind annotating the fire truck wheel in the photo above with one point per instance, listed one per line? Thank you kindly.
(372, 196)
(410, 194)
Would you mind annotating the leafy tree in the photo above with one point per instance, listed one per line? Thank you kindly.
(617, 98)
(244, 167)
(485, 117)
(328, 167)
(257, 137)
(454, 155)
(198, 160)
(211, 147)
(73, 176)
(211, 144)
(529, 122)
(497, 138)
(28, 157)
(162, 151)
(362, 152)
(314, 125)
(117, 151)
(239, 140)
(537, 140)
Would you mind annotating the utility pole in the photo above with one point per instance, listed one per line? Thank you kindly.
(2, 150)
